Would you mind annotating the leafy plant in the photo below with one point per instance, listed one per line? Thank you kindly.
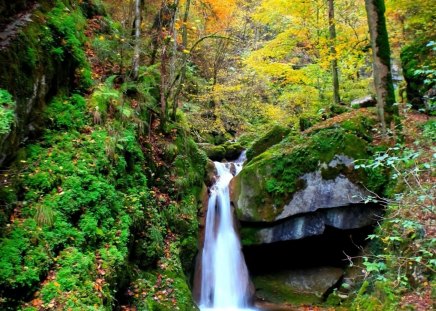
(7, 112)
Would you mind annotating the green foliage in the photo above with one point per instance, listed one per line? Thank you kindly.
(67, 24)
(23, 257)
(189, 165)
(7, 112)
(419, 71)
(401, 257)
(429, 130)
(165, 288)
(67, 113)
(76, 195)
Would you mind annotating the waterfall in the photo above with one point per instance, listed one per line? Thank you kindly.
(224, 274)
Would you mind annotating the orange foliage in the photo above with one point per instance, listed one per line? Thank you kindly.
(220, 14)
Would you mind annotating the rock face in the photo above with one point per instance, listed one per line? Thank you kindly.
(320, 193)
(29, 80)
(312, 224)
(30, 70)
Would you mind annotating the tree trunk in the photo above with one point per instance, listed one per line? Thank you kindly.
(137, 49)
(384, 88)
(163, 84)
(334, 61)
(184, 59)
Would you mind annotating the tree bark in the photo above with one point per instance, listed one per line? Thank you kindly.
(334, 61)
(184, 59)
(383, 84)
(137, 49)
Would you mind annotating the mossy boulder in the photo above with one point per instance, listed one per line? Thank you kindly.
(227, 151)
(215, 153)
(271, 138)
(269, 186)
(233, 150)
(210, 173)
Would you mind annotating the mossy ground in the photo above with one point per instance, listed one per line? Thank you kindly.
(96, 204)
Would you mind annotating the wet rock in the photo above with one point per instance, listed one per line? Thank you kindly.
(233, 150)
(210, 172)
(215, 153)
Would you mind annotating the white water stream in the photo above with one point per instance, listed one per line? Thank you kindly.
(224, 277)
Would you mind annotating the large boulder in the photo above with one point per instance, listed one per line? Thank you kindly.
(297, 187)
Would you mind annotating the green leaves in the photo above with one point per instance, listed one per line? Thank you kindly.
(7, 112)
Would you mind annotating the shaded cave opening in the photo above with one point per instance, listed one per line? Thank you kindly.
(308, 270)
(332, 248)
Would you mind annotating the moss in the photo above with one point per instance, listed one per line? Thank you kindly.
(249, 236)
(53, 44)
(232, 150)
(65, 113)
(417, 61)
(338, 109)
(271, 288)
(384, 53)
(274, 136)
(307, 122)
(215, 153)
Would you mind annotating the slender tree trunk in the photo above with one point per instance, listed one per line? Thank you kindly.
(184, 59)
(174, 56)
(163, 84)
(334, 61)
(137, 49)
(384, 88)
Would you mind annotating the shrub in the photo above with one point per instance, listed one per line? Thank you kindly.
(7, 112)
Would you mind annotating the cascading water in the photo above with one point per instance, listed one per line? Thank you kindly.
(224, 275)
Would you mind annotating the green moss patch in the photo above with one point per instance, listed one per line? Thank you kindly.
(275, 290)
(274, 136)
